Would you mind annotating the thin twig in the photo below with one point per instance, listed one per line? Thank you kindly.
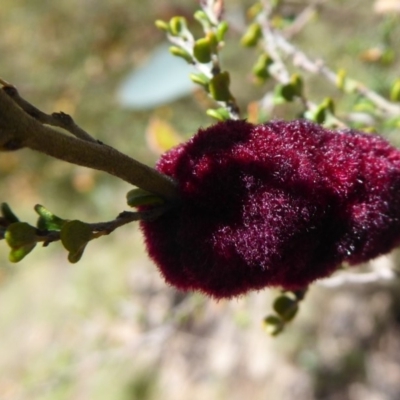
(105, 228)
(59, 119)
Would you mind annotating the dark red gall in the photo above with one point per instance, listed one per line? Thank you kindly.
(280, 204)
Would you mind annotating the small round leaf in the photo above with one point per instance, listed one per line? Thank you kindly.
(74, 236)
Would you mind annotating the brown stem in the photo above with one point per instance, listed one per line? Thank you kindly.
(19, 130)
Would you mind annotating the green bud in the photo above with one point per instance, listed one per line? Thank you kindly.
(178, 52)
(252, 35)
(219, 87)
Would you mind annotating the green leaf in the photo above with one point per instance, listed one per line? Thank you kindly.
(254, 10)
(284, 93)
(162, 25)
(220, 114)
(21, 237)
(273, 325)
(19, 234)
(178, 52)
(222, 28)
(202, 17)
(395, 91)
(7, 213)
(260, 68)
(202, 50)
(365, 105)
(286, 307)
(17, 255)
(251, 36)
(47, 220)
(297, 83)
(344, 83)
(219, 87)
(177, 25)
(323, 111)
(75, 235)
(139, 197)
(200, 79)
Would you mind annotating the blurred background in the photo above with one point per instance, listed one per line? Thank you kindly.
(109, 327)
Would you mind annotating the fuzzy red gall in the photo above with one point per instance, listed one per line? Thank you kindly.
(280, 204)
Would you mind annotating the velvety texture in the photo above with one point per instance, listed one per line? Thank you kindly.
(279, 204)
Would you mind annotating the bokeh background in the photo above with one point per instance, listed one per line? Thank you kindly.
(109, 327)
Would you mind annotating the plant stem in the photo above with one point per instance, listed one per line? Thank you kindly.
(19, 130)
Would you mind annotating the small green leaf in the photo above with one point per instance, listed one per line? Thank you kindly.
(17, 255)
(395, 91)
(7, 213)
(220, 114)
(139, 197)
(202, 17)
(344, 83)
(75, 235)
(260, 68)
(219, 87)
(254, 10)
(177, 25)
(286, 307)
(47, 220)
(284, 93)
(297, 82)
(178, 52)
(200, 79)
(21, 237)
(19, 234)
(365, 105)
(202, 50)
(273, 325)
(222, 28)
(341, 78)
(162, 25)
(322, 112)
(252, 35)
